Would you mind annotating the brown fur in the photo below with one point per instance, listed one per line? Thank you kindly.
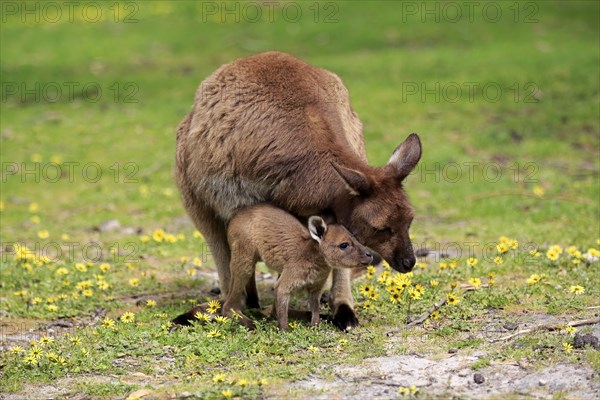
(271, 128)
(267, 233)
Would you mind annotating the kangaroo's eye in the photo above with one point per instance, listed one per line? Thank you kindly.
(344, 245)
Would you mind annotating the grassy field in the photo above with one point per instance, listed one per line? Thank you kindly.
(97, 255)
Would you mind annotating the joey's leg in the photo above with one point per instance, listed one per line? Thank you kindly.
(341, 301)
(242, 270)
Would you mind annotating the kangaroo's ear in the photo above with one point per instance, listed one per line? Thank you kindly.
(356, 182)
(317, 228)
(406, 156)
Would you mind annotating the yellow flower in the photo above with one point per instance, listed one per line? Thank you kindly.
(421, 265)
(103, 285)
(108, 323)
(84, 285)
(263, 381)
(472, 261)
(34, 219)
(219, 378)
(221, 319)
(46, 340)
(576, 261)
(150, 303)
(144, 238)
(134, 282)
(87, 292)
(453, 284)
(105, 267)
(552, 255)
(197, 235)
(568, 347)
(434, 283)
(502, 248)
(384, 277)
(127, 317)
(242, 382)
(214, 333)
(452, 299)
(1, 206)
(534, 253)
(491, 282)
(213, 306)
(370, 271)
(570, 330)
(538, 191)
(366, 290)
(33, 207)
(30, 360)
(202, 317)
(52, 308)
(452, 264)
(36, 300)
(43, 234)
(293, 324)
(158, 235)
(367, 305)
(227, 393)
(16, 349)
(476, 282)
(407, 391)
(513, 244)
(62, 271)
(395, 298)
(184, 259)
(75, 340)
(170, 238)
(420, 288)
(191, 271)
(498, 260)
(81, 267)
(414, 294)
(435, 315)
(443, 265)
(577, 289)
(374, 294)
(312, 349)
(197, 262)
(533, 279)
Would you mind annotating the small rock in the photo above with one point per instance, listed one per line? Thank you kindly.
(215, 291)
(478, 378)
(452, 351)
(510, 326)
(580, 341)
(107, 226)
(138, 394)
(542, 382)
(463, 372)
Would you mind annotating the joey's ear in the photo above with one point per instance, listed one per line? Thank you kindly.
(406, 156)
(317, 228)
(356, 182)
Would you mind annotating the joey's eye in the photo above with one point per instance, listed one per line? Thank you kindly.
(344, 245)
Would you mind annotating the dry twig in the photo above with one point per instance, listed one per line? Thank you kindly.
(549, 327)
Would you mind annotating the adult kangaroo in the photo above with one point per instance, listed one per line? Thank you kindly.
(271, 128)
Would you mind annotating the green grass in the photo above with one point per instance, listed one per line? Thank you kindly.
(543, 134)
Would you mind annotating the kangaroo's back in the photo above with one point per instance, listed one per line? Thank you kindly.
(255, 126)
